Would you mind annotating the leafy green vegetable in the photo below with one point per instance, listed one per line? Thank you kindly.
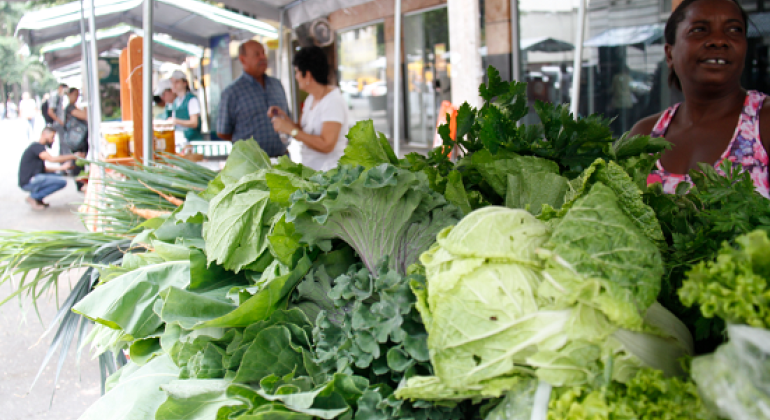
(126, 302)
(365, 148)
(495, 309)
(245, 158)
(696, 224)
(735, 380)
(239, 221)
(735, 285)
(380, 212)
(373, 324)
(648, 396)
(134, 392)
(624, 272)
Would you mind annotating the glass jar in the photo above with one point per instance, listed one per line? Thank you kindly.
(164, 137)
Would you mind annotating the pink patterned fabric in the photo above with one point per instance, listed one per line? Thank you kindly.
(745, 148)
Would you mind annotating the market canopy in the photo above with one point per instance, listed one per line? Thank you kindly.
(545, 44)
(297, 11)
(60, 54)
(634, 35)
(190, 21)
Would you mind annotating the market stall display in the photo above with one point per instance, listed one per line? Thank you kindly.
(535, 277)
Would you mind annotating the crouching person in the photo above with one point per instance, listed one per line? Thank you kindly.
(37, 179)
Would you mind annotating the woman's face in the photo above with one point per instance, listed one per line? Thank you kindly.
(302, 81)
(73, 96)
(710, 46)
(179, 86)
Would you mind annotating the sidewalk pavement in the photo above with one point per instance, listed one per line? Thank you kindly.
(20, 352)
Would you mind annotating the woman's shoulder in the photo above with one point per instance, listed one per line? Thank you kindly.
(645, 125)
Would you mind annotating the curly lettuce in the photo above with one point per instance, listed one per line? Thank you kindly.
(380, 212)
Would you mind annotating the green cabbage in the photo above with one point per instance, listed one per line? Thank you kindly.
(567, 301)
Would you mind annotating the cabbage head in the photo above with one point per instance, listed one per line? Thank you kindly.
(509, 295)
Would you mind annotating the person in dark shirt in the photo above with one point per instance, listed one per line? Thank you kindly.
(35, 177)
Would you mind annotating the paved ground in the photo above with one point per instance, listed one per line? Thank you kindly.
(20, 329)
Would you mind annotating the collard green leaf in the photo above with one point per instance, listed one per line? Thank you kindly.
(135, 394)
(271, 353)
(245, 158)
(269, 298)
(127, 301)
(239, 221)
(194, 209)
(196, 399)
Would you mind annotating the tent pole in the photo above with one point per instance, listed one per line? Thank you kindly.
(147, 133)
(86, 70)
(577, 66)
(397, 80)
(279, 56)
(96, 103)
(516, 55)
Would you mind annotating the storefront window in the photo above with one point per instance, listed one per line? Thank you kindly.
(548, 29)
(427, 79)
(362, 69)
(626, 76)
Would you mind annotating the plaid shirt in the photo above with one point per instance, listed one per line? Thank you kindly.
(243, 112)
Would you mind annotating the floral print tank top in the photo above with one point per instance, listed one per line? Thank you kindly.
(745, 148)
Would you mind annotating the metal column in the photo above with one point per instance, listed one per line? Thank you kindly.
(515, 41)
(397, 80)
(577, 66)
(95, 110)
(279, 56)
(86, 68)
(147, 132)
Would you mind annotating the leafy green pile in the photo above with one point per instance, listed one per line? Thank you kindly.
(493, 143)
(424, 288)
(696, 223)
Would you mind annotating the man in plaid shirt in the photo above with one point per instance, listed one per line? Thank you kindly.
(244, 104)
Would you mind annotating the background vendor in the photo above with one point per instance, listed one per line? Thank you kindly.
(718, 120)
(186, 111)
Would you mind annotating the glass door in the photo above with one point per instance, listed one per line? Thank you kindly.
(426, 45)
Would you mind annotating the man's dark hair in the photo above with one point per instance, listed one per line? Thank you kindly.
(63, 85)
(73, 89)
(49, 129)
(313, 60)
(677, 17)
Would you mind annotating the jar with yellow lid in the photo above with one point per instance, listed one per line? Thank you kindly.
(115, 145)
(164, 137)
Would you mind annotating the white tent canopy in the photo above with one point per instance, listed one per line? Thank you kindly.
(166, 49)
(297, 11)
(190, 21)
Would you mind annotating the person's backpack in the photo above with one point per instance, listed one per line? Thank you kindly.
(44, 110)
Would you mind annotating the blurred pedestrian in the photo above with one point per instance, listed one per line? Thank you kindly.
(37, 179)
(76, 131)
(164, 99)
(55, 116)
(245, 102)
(28, 112)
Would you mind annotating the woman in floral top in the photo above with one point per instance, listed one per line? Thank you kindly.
(705, 52)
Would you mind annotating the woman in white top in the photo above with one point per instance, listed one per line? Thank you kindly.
(324, 121)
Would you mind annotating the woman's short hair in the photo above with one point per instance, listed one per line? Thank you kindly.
(677, 17)
(74, 89)
(313, 60)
